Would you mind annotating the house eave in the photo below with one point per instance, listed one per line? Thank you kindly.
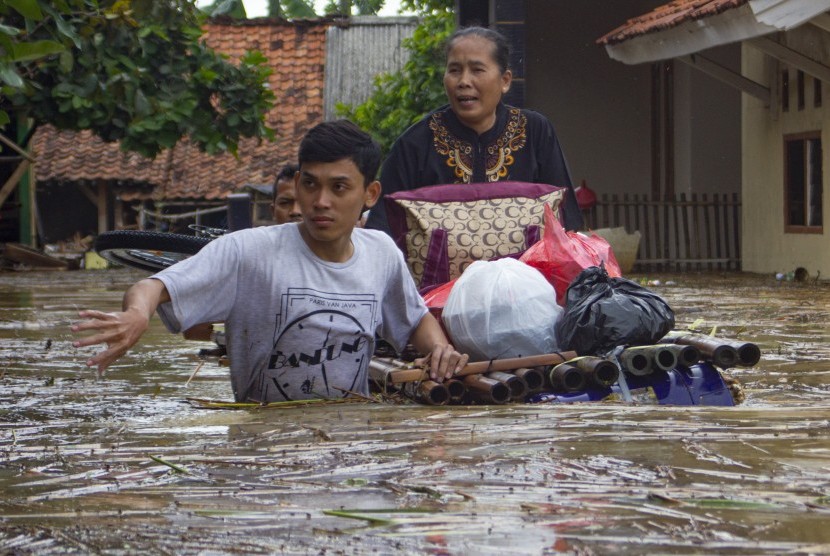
(690, 37)
(751, 20)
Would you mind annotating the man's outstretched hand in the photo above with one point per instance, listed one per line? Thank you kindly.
(120, 331)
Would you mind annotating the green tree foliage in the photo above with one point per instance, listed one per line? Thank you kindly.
(229, 8)
(129, 70)
(402, 98)
(425, 7)
(291, 9)
(297, 9)
(344, 7)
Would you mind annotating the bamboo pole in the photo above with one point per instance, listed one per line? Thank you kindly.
(428, 392)
(533, 377)
(487, 389)
(516, 384)
(566, 378)
(596, 370)
(410, 373)
(13, 180)
(721, 352)
(14, 146)
(456, 388)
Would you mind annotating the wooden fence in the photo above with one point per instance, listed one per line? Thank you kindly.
(695, 232)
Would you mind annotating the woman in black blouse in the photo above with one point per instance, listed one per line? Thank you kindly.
(477, 138)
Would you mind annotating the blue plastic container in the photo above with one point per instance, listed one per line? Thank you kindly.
(700, 384)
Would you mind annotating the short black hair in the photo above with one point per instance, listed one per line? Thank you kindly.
(500, 42)
(336, 140)
(286, 172)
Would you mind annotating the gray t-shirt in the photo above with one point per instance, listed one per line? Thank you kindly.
(296, 326)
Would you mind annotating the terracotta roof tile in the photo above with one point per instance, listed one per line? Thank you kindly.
(667, 16)
(296, 52)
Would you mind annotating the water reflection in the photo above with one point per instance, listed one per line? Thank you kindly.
(123, 464)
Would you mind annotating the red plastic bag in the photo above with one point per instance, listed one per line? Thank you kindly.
(606, 253)
(435, 297)
(561, 255)
(585, 196)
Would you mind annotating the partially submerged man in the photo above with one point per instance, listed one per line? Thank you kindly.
(284, 209)
(302, 302)
(284, 206)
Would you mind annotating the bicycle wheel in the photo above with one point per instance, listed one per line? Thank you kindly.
(146, 250)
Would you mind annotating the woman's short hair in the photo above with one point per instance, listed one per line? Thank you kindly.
(501, 50)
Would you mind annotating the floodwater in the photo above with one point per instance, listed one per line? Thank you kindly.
(123, 464)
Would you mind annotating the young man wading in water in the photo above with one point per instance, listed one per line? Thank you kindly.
(302, 302)
(284, 208)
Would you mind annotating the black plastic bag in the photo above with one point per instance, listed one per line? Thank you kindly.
(602, 313)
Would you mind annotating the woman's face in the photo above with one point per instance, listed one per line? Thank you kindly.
(474, 82)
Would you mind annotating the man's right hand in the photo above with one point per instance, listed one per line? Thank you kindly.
(120, 331)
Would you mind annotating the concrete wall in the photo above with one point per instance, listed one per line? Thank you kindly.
(766, 247)
(601, 108)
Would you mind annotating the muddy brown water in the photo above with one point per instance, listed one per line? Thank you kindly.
(123, 465)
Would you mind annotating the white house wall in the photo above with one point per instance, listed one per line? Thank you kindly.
(766, 247)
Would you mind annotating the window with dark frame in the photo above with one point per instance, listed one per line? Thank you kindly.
(816, 92)
(800, 89)
(785, 90)
(803, 183)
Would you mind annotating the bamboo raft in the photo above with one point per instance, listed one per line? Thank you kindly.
(680, 370)
(684, 368)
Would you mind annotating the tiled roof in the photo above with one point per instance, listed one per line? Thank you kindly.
(667, 16)
(296, 52)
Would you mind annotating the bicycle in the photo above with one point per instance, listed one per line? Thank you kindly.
(150, 250)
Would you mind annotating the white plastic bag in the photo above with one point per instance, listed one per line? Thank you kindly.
(500, 309)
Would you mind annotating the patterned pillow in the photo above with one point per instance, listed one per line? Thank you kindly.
(442, 229)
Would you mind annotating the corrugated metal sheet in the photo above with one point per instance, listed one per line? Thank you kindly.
(786, 14)
(359, 50)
